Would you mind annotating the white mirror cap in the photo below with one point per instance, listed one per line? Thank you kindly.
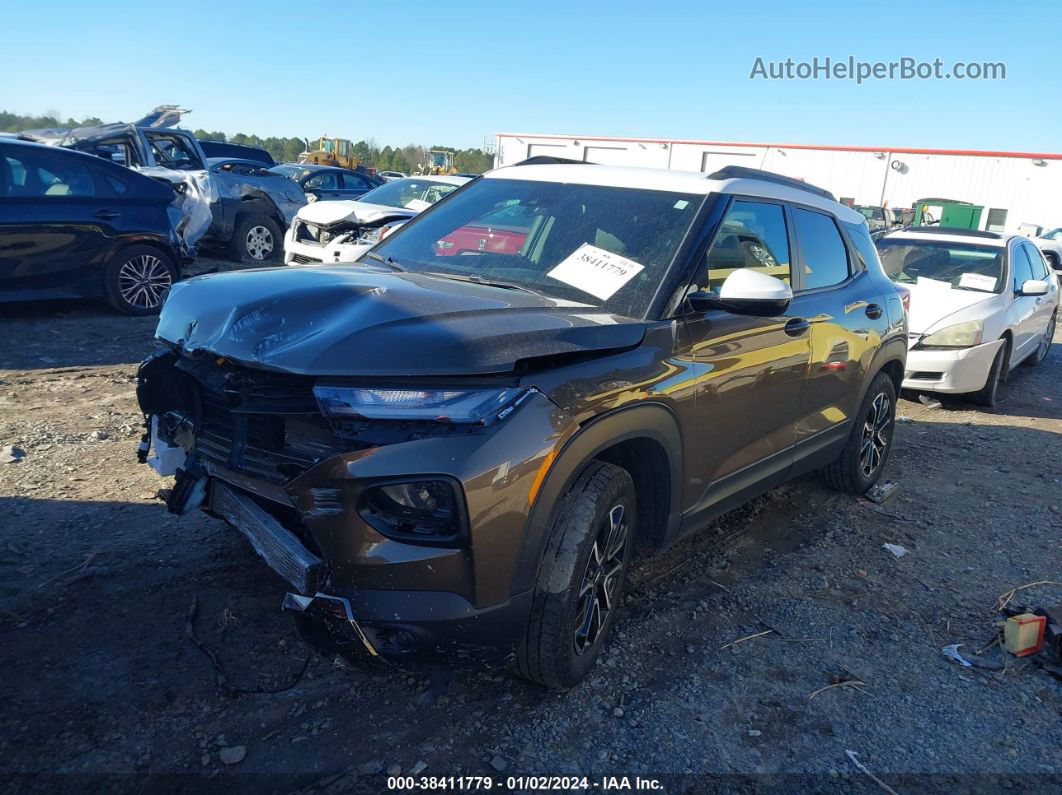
(746, 284)
(1034, 287)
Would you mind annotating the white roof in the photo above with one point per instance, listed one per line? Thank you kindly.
(669, 180)
(958, 237)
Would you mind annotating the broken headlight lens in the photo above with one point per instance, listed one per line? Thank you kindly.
(961, 335)
(477, 406)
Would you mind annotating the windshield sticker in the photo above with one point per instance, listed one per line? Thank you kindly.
(596, 271)
(925, 281)
(417, 204)
(978, 281)
(681, 204)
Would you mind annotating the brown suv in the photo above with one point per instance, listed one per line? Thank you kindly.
(453, 456)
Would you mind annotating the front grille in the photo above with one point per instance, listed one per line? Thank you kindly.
(264, 426)
(302, 259)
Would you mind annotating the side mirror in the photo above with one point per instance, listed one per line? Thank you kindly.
(746, 292)
(1033, 287)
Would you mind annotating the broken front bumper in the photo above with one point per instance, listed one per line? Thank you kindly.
(306, 252)
(956, 371)
(255, 455)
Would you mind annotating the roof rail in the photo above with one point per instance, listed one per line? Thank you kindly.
(952, 230)
(742, 172)
(550, 160)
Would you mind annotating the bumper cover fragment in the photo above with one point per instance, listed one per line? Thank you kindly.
(274, 543)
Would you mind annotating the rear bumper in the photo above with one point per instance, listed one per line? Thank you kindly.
(955, 371)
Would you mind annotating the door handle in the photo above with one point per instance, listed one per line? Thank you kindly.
(796, 327)
(874, 311)
(106, 214)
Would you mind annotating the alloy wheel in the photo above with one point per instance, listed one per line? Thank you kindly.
(143, 281)
(601, 580)
(875, 434)
(259, 242)
(1045, 343)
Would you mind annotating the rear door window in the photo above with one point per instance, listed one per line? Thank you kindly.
(354, 182)
(824, 253)
(326, 180)
(753, 235)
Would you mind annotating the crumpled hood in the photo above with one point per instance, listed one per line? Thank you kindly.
(326, 213)
(930, 304)
(347, 321)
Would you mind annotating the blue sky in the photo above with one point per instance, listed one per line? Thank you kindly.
(457, 72)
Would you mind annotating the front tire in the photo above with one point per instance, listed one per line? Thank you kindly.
(256, 239)
(137, 280)
(1044, 348)
(867, 450)
(581, 578)
(988, 395)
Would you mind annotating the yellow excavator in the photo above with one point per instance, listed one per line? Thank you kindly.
(440, 161)
(326, 151)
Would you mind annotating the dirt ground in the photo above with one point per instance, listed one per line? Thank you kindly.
(103, 686)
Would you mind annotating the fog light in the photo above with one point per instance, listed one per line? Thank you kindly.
(421, 510)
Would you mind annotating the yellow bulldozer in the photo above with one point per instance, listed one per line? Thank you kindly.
(327, 151)
(440, 161)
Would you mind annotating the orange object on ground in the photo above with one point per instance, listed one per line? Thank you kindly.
(1024, 634)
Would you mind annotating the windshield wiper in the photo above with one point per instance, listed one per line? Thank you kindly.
(477, 279)
(385, 260)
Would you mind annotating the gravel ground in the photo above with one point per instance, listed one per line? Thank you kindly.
(101, 678)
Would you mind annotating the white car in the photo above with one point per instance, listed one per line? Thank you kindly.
(1050, 243)
(341, 231)
(981, 303)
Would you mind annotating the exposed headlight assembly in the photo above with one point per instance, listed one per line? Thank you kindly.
(961, 335)
(468, 406)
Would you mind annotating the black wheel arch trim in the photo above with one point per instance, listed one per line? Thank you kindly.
(650, 420)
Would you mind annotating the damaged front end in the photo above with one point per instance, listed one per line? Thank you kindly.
(341, 231)
(368, 520)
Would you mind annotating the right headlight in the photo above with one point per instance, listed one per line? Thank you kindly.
(961, 335)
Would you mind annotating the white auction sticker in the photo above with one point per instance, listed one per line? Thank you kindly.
(417, 204)
(596, 271)
(978, 281)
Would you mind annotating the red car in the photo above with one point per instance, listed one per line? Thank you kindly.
(500, 232)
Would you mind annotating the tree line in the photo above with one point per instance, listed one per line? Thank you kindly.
(287, 150)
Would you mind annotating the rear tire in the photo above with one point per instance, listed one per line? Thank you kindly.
(137, 280)
(988, 395)
(256, 239)
(581, 577)
(867, 450)
(1044, 348)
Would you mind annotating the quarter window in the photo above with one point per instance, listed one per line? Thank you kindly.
(825, 257)
(753, 235)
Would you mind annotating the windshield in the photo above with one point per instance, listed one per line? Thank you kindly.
(411, 193)
(873, 213)
(939, 263)
(599, 246)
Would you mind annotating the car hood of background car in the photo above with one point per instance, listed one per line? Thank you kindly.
(930, 304)
(354, 321)
(326, 213)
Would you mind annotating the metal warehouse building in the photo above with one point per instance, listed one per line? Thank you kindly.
(1015, 188)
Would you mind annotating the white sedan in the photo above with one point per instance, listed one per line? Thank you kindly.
(981, 304)
(341, 231)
